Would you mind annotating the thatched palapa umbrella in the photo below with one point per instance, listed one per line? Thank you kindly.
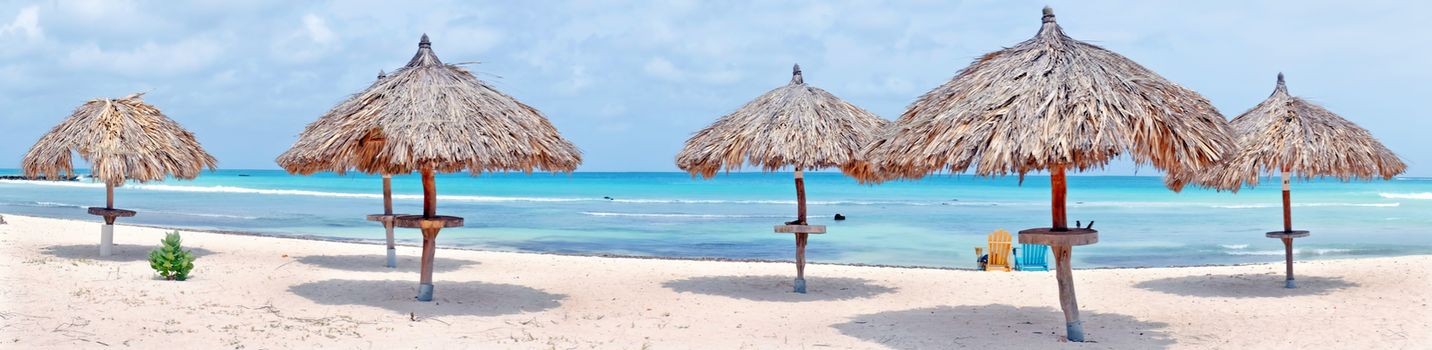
(122, 139)
(430, 117)
(1051, 103)
(1290, 135)
(796, 125)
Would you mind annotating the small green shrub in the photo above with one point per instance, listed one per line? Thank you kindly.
(170, 260)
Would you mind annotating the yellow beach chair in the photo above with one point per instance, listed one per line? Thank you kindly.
(999, 251)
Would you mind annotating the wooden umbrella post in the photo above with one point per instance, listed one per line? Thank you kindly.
(430, 194)
(429, 223)
(387, 218)
(800, 197)
(802, 231)
(801, 237)
(1288, 234)
(1058, 187)
(1063, 272)
(430, 234)
(1288, 226)
(388, 224)
(1061, 239)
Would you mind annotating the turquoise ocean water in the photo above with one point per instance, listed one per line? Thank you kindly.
(932, 222)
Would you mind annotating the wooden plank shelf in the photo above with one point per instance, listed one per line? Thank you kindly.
(1287, 234)
(111, 212)
(1050, 237)
(418, 221)
(383, 218)
(814, 229)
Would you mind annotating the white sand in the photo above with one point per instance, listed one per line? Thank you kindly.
(259, 293)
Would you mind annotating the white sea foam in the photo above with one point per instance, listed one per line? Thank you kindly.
(53, 183)
(1234, 246)
(245, 190)
(1277, 205)
(54, 205)
(1131, 205)
(678, 215)
(1416, 195)
(474, 198)
(209, 215)
(458, 198)
(783, 201)
(1296, 251)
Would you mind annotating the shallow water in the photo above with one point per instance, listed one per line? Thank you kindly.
(933, 222)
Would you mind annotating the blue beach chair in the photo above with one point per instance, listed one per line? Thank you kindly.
(1030, 257)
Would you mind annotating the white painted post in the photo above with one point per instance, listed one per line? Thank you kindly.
(392, 248)
(106, 240)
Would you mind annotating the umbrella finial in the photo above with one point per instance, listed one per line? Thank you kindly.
(382, 74)
(1282, 86)
(796, 75)
(425, 55)
(1048, 14)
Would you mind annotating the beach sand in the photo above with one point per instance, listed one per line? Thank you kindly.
(252, 292)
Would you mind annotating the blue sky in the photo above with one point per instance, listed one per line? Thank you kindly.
(629, 81)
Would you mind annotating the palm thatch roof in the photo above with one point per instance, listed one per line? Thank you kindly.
(1050, 100)
(430, 114)
(1287, 132)
(122, 139)
(795, 125)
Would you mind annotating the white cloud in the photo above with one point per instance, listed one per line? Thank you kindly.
(661, 68)
(26, 24)
(578, 81)
(468, 40)
(317, 29)
(312, 40)
(149, 58)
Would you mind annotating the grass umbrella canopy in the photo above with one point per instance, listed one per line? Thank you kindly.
(122, 139)
(1285, 132)
(435, 115)
(1050, 100)
(795, 125)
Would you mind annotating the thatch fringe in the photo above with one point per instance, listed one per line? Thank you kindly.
(430, 114)
(1050, 100)
(1287, 132)
(122, 139)
(796, 125)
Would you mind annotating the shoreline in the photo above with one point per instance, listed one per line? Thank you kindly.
(380, 242)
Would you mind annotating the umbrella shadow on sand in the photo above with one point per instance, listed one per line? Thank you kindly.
(779, 288)
(121, 252)
(999, 326)
(449, 298)
(377, 263)
(1268, 285)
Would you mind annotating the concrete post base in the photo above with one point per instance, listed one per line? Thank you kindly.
(392, 257)
(425, 292)
(800, 285)
(106, 240)
(1290, 284)
(1075, 330)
